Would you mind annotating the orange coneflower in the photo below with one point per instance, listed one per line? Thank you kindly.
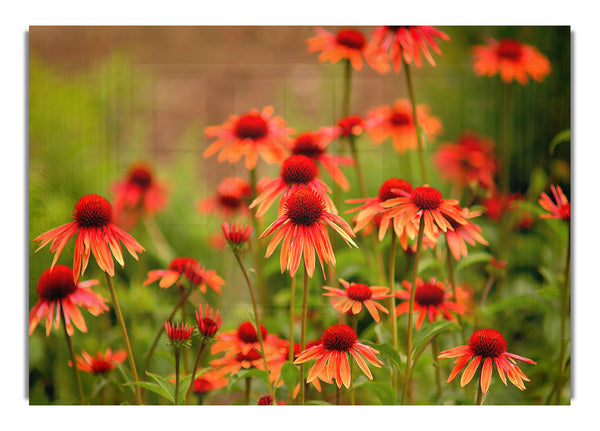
(209, 381)
(560, 208)
(231, 364)
(396, 122)
(408, 42)
(191, 269)
(96, 234)
(138, 195)
(357, 295)
(244, 339)
(350, 126)
(350, 44)
(332, 352)
(179, 334)
(464, 233)
(431, 298)
(58, 292)
(237, 234)
(296, 171)
(208, 322)
(101, 363)
(314, 145)
(302, 226)
(511, 59)
(232, 197)
(487, 346)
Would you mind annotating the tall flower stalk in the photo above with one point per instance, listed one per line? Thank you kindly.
(72, 356)
(303, 332)
(418, 130)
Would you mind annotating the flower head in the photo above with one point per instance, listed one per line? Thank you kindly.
(303, 228)
(208, 322)
(351, 126)
(464, 233)
(237, 234)
(232, 198)
(397, 122)
(511, 59)
(266, 400)
(96, 234)
(244, 339)
(332, 352)
(179, 336)
(58, 292)
(250, 135)
(350, 44)
(99, 364)
(189, 268)
(560, 208)
(487, 346)
(209, 381)
(355, 296)
(407, 42)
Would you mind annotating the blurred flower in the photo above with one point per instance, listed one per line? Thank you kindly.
(396, 122)
(487, 346)
(191, 269)
(297, 171)
(57, 291)
(357, 295)
(560, 208)
(497, 204)
(431, 298)
(373, 210)
(464, 233)
(265, 400)
(138, 195)
(209, 381)
(408, 42)
(469, 162)
(303, 228)
(179, 336)
(332, 352)
(232, 197)
(511, 59)
(236, 235)
(208, 322)
(352, 125)
(244, 339)
(314, 145)
(350, 44)
(231, 364)
(100, 364)
(92, 222)
(249, 135)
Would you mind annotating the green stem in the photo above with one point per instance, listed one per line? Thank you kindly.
(392, 304)
(411, 311)
(563, 320)
(258, 260)
(303, 332)
(163, 248)
(435, 351)
(480, 395)
(292, 306)
(177, 376)
(115, 301)
(411, 95)
(248, 383)
(505, 148)
(452, 279)
(337, 395)
(347, 83)
(200, 350)
(72, 355)
(354, 328)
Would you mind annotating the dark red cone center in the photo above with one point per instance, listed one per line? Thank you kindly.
(359, 292)
(400, 119)
(487, 342)
(429, 294)
(56, 284)
(298, 169)
(351, 39)
(141, 177)
(385, 191)
(251, 126)
(338, 337)
(247, 333)
(92, 211)
(306, 145)
(349, 123)
(427, 198)
(304, 207)
(509, 49)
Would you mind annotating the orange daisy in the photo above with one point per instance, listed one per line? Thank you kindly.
(296, 171)
(232, 197)
(351, 126)
(231, 364)
(138, 195)
(432, 298)
(191, 269)
(58, 292)
(332, 352)
(236, 235)
(356, 296)
(408, 42)
(464, 233)
(101, 363)
(487, 346)
(250, 135)
(396, 122)
(209, 381)
(560, 208)
(244, 339)
(314, 145)
(302, 226)
(96, 234)
(511, 59)
(350, 44)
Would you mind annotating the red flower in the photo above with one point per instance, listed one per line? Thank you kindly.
(58, 292)
(208, 322)
(352, 125)
(92, 222)
(464, 233)
(100, 364)
(244, 339)
(138, 195)
(179, 335)
(357, 295)
(191, 269)
(236, 234)
(408, 42)
(209, 381)
(232, 197)
(350, 44)
(560, 208)
(511, 59)
(249, 135)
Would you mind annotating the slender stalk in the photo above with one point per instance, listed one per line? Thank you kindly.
(411, 311)
(258, 260)
(115, 301)
(161, 328)
(303, 332)
(292, 305)
(72, 355)
(248, 384)
(487, 289)
(564, 299)
(413, 101)
(177, 352)
(452, 279)
(163, 248)
(200, 350)
(347, 84)
(236, 253)
(480, 395)
(354, 327)
(183, 307)
(392, 304)
(506, 141)
(435, 351)
(337, 395)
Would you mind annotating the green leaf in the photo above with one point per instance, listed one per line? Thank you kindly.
(154, 387)
(126, 377)
(255, 372)
(383, 390)
(564, 136)
(167, 385)
(393, 355)
(471, 259)
(290, 374)
(426, 334)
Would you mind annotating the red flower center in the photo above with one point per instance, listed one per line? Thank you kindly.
(487, 342)
(509, 49)
(351, 39)
(298, 169)
(100, 366)
(306, 145)
(304, 207)
(184, 265)
(251, 126)
(179, 333)
(208, 327)
(359, 292)
(231, 202)
(247, 333)
(141, 177)
(92, 211)
(429, 294)
(348, 123)
(56, 284)
(427, 198)
(338, 337)
(265, 400)
(400, 119)
(252, 355)
(385, 191)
